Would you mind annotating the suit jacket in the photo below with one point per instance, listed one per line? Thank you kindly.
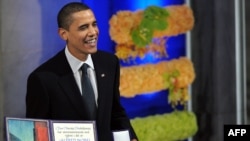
(52, 93)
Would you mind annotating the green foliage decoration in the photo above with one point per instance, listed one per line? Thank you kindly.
(174, 126)
(154, 18)
(175, 95)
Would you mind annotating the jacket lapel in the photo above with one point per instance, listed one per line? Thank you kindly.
(72, 91)
(101, 82)
(69, 86)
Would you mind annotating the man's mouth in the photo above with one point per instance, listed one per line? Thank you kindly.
(91, 42)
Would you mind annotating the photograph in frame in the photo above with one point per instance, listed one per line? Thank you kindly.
(22, 129)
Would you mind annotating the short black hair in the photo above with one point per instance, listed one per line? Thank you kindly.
(64, 17)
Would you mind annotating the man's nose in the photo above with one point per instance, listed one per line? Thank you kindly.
(92, 30)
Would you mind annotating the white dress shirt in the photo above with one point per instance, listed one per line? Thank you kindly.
(76, 64)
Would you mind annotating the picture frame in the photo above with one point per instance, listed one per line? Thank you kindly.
(28, 129)
(22, 129)
(73, 130)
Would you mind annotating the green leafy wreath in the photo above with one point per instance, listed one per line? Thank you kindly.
(154, 18)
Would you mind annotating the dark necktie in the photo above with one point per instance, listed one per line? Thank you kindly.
(88, 93)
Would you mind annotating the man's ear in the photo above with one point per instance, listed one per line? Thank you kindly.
(63, 33)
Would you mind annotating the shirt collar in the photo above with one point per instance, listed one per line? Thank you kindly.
(75, 63)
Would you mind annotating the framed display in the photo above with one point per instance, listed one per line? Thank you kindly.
(25, 129)
(73, 130)
(21, 129)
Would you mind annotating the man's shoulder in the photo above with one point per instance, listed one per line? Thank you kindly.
(105, 58)
(52, 63)
(105, 54)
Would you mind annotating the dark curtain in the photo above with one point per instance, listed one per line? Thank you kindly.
(213, 55)
(247, 8)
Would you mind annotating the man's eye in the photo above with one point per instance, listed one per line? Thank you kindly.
(94, 24)
(82, 27)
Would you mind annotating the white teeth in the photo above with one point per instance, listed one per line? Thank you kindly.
(91, 41)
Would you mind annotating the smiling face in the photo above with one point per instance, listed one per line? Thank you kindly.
(82, 35)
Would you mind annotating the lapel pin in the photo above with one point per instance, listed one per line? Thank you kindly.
(102, 75)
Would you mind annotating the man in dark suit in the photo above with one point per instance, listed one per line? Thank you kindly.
(54, 89)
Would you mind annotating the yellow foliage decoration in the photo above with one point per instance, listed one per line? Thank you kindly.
(135, 80)
(150, 78)
(121, 24)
